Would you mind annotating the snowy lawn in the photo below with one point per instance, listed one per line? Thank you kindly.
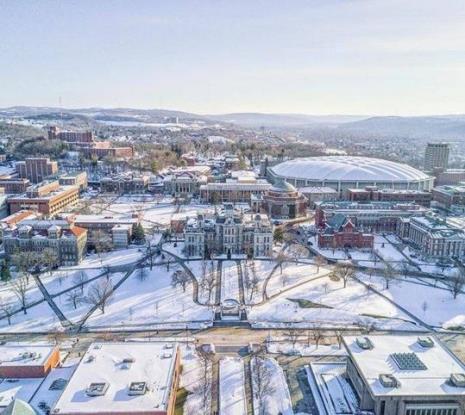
(232, 387)
(10, 293)
(150, 299)
(40, 318)
(434, 306)
(389, 253)
(324, 301)
(291, 275)
(198, 268)
(257, 271)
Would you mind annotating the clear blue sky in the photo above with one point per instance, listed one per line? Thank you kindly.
(214, 56)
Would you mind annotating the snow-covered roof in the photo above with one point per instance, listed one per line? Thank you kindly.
(347, 168)
(21, 354)
(378, 360)
(112, 368)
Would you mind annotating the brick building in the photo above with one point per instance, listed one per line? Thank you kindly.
(70, 136)
(449, 197)
(372, 193)
(341, 233)
(36, 169)
(48, 198)
(14, 185)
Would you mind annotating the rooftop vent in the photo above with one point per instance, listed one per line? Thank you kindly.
(137, 388)
(458, 380)
(90, 359)
(166, 355)
(128, 360)
(97, 389)
(426, 342)
(388, 381)
(408, 361)
(364, 343)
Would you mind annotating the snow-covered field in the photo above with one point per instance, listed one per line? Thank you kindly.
(197, 268)
(40, 318)
(229, 281)
(262, 270)
(278, 399)
(388, 252)
(232, 387)
(433, 305)
(150, 300)
(325, 302)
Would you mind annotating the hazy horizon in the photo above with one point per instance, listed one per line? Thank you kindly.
(320, 57)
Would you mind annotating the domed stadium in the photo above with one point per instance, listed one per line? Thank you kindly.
(345, 172)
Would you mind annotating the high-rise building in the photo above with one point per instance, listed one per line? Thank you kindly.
(36, 169)
(436, 156)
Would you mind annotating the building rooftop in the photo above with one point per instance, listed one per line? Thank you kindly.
(348, 168)
(121, 377)
(20, 354)
(419, 366)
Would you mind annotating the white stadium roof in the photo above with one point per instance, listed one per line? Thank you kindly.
(347, 168)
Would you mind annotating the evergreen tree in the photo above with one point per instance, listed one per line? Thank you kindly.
(5, 272)
(138, 234)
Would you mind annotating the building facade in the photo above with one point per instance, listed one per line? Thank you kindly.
(66, 240)
(36, 169)
(229, 232)
(372, 193)
(341, 233)
(48, 199)
(233, 190)
(432, 236)
(436, 156)
(449, 197)
(283, 201)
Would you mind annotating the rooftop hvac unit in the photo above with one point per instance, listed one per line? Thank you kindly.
(388, 381)
(458, 380)
(426, 342)
(137, 388)
(97, 389)
(129, 360)
(364, 343)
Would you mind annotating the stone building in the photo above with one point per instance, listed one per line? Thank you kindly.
(229, 232)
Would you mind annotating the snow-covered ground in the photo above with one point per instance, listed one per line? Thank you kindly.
(278, 399)
(111, 259)
(259, 270)
(229, 281)
(192, 381)
(389, 253)
(433, 305)
(232, 387)
(150, 300)
(291, 275)
(197, 268)
(324, 301)
(303, 349)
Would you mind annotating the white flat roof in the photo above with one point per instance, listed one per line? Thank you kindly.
(433, 381)
(103, 363)
(20, 354)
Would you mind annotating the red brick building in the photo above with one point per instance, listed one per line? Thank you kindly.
(340, 232)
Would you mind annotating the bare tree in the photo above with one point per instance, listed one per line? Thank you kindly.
(254, 282)
(318, 335)
(298, 251)
(74, 297)
(102, 242)
(142, 273)
(457, 282)
(319, 261)
(99, 293)
(292, 335)
(344, 271)
(80, 280)
(280, 259)
(207, 282)
(338, 335)
(262, 382)
(20, 288)
(180, 277)
(388, 275)
(7, 310)
(205, 385)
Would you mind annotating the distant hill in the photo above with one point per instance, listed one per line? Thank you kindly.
(434, 127)
(250, 119)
